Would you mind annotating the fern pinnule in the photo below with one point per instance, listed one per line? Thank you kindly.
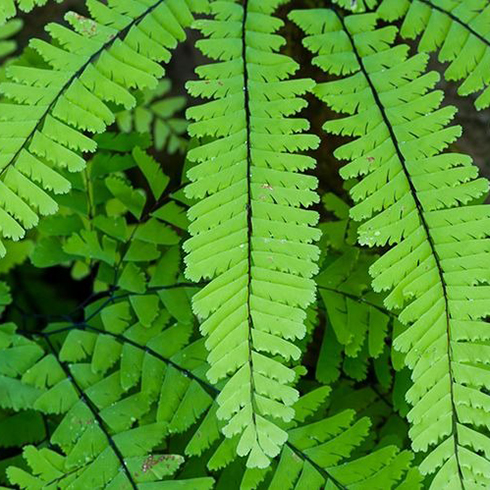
(322, 450)
(158, 114)
(7, 32)
(249, 233)
(420, 201)
(10, 8)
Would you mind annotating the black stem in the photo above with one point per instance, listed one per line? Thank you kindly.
(76, 75)
(457, 20)
(360, 299)
(248, 205)
(124, 340)
(325, 474)
(425, 226)
(94, 410)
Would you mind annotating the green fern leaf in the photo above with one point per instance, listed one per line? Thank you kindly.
(457, 29)
(358, 324)
(418, 200)
(158, 115)
(9, 30)
(109, 426)
(249, 234)
(103, 384)
(356, 316)
(90, 68)
(320, 452)
(9, 8)
(18, 356)
(93, 225)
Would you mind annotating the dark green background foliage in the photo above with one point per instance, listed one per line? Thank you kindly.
(244, 244)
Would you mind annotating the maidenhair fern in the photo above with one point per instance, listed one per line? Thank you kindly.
(421, 200)
(458, 29)
(210, 292)
(46, 109)
(250, 234)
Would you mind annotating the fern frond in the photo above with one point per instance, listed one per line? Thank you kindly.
(250, 235)
(356, 317)
(458, 30)
(317, 453)
(418, 200)
(121, 384)
(321, 451)
(48, 468)
(93, 222)
(18, 356)
(89, 69)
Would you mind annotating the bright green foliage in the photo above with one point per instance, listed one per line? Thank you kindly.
(91, 210)
(107, 419)
(94, 226)
(106, 434)
(459, 30)
(92, 67)
(93, 221)
(418, 200)
(122, 379)
(182, 319)
(9, 30)
(357, 323)
(325, 444)
(320, 449)
(250, 234)
(158, 114)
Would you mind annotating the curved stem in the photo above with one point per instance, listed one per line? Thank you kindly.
(425, 226)
(94, 410)
(75, 76)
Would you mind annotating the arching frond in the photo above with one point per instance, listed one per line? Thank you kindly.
(315, 458)
(320, 452)
(418, 200)
(458, 30)
(89, 69)
(250, 235)
(121, 387)
(120, 381)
